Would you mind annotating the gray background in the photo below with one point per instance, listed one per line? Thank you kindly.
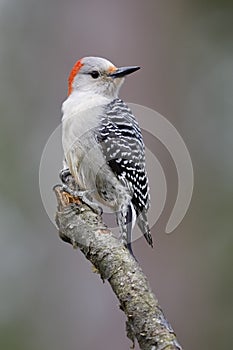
(49, 297)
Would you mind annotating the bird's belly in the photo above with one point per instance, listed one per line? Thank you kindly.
(85, 164)
(92, 173)
(86, 161)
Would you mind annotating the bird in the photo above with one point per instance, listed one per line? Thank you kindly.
(103, 145)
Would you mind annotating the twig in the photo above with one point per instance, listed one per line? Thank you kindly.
(83, 228)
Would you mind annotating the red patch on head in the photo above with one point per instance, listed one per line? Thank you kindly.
(73, 74)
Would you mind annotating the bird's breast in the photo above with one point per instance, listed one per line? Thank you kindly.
(81, 150)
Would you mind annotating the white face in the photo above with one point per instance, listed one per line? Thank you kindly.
(94, 76)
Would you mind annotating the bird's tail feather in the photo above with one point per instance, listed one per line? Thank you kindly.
(144, 227)
(129, 223)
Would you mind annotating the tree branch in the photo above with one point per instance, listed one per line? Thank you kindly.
(83, 228)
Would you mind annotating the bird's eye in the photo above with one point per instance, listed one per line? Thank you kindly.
(95, 74)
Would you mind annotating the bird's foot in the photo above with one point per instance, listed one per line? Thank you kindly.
(65, 176)
(84, 195)
(71, 187)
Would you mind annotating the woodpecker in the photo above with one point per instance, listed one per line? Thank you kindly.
(103, 144)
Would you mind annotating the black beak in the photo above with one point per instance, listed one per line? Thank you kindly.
(122, 71)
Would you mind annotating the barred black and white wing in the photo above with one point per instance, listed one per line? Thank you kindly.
(122, 144)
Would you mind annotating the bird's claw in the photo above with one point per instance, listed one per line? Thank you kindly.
(64, 175)
(86, 198)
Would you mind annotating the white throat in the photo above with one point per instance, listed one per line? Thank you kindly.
(80, 101)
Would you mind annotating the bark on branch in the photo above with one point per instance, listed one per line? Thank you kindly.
(81, 227)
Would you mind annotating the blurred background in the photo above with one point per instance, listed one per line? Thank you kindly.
(49, 297)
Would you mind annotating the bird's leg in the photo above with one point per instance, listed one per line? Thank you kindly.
(71, 187)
